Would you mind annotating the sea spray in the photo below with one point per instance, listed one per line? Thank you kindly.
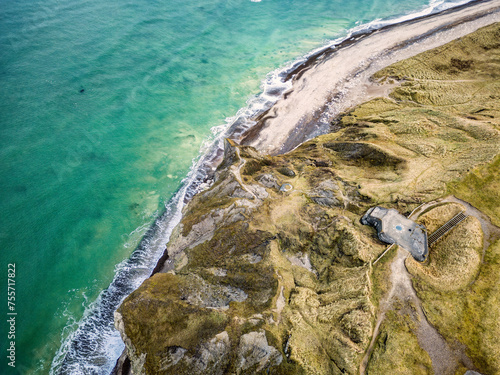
(94, 345)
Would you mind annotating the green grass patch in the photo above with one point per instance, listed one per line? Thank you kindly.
(470, 315)
(481, 188)
(397, 350)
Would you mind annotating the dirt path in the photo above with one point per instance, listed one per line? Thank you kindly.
(490, 231)
(237, 173)
(444, 359)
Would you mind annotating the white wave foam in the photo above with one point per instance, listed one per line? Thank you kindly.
(276, 84)
(94, 346)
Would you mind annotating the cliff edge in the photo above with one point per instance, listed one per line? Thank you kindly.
(270, 270)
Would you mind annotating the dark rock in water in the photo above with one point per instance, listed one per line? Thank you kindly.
(274, 91)
(161, 262)
(20, 189)
(82, 91)
(122, 366)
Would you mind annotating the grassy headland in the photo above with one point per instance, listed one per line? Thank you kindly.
(280, 280)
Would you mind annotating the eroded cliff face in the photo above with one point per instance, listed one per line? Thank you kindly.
(270, 270)
(259, 278)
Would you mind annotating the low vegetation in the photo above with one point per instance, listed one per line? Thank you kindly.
(261, 279)
(469, 315)
(455, 259)
(481, 188)
(397, 350)
(437, 216)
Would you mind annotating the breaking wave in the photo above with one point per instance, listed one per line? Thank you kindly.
(95, 345)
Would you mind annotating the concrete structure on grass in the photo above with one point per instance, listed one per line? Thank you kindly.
(392, 227)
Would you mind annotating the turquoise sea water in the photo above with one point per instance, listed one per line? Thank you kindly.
(103, 108)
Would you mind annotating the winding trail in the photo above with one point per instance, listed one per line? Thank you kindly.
(444, 359)
(237, 173)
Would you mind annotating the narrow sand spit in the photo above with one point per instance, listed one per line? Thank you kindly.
(338, 79)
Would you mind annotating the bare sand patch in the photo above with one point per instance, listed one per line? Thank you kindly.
(342, 79)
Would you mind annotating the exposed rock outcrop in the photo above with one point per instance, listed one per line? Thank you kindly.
(265, 279)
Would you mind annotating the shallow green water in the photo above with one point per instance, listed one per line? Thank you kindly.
(103, 106)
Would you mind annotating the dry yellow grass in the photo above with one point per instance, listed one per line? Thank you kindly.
(454, 260)
(397, 350)
(481, 188)
(398, 152)
(438, 216)
(470, 316)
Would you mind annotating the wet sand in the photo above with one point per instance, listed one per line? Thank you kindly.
(338, 78)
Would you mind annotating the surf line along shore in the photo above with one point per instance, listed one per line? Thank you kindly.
(337, 78)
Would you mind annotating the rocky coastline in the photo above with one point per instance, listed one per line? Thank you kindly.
(270, 270)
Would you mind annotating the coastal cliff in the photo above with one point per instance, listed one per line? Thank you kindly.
(270, 270)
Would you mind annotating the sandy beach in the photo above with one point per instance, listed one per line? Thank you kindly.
(337, 79)
(269, 266)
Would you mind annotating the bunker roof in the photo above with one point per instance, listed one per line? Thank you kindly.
(392, 227)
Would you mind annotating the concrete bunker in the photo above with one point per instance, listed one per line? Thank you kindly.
(392, 227)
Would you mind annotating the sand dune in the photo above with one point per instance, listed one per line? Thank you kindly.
(336, 79)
